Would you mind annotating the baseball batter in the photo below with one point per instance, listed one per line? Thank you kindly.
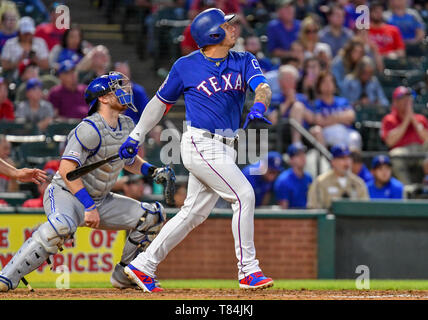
(213, 81)
(88, 201)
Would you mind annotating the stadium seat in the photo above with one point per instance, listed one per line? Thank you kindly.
(15, 198)
(38, 153)
(60, 128)
(17, 128)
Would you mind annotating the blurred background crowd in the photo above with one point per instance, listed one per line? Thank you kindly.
(349, 103)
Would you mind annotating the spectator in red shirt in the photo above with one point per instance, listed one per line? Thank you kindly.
(68, 97)
(48, 31)
(188, 44)
(6, 106)
(387, 37)
(404, 132)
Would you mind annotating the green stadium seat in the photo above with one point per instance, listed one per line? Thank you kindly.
(60, 128)
(38, 153)
(17, 128)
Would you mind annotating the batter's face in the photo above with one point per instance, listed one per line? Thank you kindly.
(231, 34)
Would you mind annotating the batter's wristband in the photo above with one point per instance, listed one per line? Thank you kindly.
(145, 168)
(259, 106)
(85, 198)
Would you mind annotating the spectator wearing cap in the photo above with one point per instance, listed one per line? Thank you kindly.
(335, 34)
(289, 103)
(292, 185)
(25, 46)
(48, 31)
(404, 132)
(41, 188)
(140, 97)
(408, 20)
(384, 186)
(387, 37)
(8, 26)
(35, 109)
(284, 30)
(337, 183)
(68, 97)
(359, 168)
(262, 175)
(6, 106)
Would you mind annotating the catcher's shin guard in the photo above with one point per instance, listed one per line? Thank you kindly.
(36, 249)
(148, 227)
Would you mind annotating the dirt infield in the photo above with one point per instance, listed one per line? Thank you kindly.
(215, 294)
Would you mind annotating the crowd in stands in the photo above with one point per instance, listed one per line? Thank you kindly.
(325, 70)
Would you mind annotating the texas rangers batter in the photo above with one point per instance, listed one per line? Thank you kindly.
(214, 81)
(88, 201)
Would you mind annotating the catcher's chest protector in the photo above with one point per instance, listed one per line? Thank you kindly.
(100, 181)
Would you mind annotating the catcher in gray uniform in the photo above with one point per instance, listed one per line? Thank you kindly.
(87, 201)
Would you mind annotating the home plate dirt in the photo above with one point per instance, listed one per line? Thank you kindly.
(215, 294)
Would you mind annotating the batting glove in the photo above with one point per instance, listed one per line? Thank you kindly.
(128, 149)
(256, 113)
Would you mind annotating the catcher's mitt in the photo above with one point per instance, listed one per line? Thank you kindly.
(166, 176)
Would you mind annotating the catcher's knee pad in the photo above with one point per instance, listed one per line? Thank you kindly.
(35, 250)
(148, 227)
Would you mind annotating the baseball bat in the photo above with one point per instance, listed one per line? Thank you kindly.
(81, 171)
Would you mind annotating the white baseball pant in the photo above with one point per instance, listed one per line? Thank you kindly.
(213, 174)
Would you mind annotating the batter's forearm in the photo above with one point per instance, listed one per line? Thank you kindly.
(135, 167)
(263, 94)
(152, 114)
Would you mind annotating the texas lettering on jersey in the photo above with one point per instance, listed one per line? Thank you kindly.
(214, 92)
(228, 84)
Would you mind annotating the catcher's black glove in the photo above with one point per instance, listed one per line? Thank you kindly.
(166, 176)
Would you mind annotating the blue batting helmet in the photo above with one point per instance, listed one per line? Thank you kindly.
(115, 82)
(206, 29)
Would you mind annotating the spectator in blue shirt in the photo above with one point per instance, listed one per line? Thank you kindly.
(384, 186)
(291, 187)
(334, 116)
(290, 104)
(140, 97)
(359, 168)
(284, 30)
(262, 175)
(8, 27)
(363, 87)
(252, 44)
(335, 34)
(408, 20)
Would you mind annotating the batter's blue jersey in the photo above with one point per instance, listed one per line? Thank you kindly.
(214, 95)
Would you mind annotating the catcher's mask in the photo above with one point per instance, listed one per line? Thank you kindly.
(115, 82)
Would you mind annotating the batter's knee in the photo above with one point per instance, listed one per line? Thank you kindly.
(52, 234)
(246, 195)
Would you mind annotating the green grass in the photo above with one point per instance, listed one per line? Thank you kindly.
(279, 284)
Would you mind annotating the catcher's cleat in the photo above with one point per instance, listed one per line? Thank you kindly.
(255, 280)
(145, 282)
(4, 284)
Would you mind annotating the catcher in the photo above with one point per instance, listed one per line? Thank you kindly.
(87, 201)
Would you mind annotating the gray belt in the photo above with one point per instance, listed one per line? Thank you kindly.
(224, 140)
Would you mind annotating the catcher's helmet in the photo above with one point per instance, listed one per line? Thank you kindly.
(115, 82)
(206, 29)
